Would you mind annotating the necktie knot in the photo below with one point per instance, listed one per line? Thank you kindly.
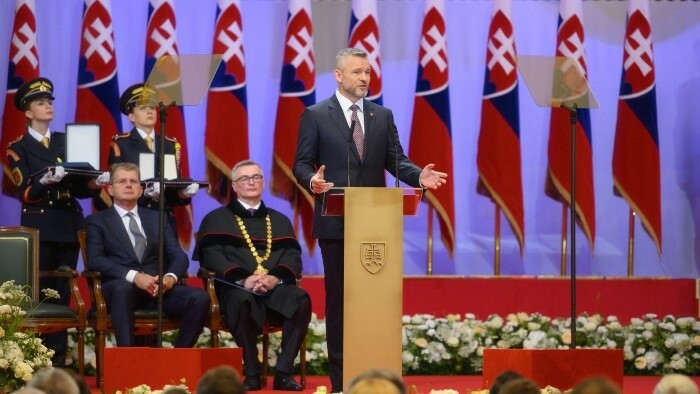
(45, 142)
(252, 211)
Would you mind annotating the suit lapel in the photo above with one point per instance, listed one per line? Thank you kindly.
(117, 225)
(368, 108)
(336, 113)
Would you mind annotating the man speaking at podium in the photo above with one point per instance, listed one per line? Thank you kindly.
(346, 140)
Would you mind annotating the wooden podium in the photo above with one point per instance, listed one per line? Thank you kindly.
(373, 274)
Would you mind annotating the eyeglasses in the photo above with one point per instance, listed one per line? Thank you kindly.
(125, 181)
(257, 178)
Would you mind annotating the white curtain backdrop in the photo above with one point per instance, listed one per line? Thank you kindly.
(677, 59)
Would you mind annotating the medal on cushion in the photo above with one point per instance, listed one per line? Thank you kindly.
(260, 270)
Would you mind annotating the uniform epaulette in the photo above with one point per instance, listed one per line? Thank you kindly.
(15, 140)
(120, 136)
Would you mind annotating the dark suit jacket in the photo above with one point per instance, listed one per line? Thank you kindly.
(53, 209)
(110, 251)
(323, 136)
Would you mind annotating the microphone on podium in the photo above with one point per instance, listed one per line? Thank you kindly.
(395, 139)
(347, 153)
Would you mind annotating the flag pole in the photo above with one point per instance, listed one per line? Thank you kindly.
(630, 245)
(497, 242)
(430, 241)
(564, 225)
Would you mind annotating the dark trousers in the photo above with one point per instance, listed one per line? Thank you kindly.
(53, 255)
(189, 304)
(246, 330)
(333, 254)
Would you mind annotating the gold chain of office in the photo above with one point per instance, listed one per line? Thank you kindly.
(268, 248)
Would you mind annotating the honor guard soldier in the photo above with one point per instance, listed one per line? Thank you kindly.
(49, 202)
(139, 103)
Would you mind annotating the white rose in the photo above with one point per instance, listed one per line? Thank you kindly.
(420, 342)
(566, 337)
(503, 344)
(480, 351)
(5, 309)
(533, 326)
(590, 326)
(452, 341)
(696, 340)
(640, 363)
(649, 325)
(496, 322)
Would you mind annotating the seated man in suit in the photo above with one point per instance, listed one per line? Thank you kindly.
(254, 248)
(122, 244)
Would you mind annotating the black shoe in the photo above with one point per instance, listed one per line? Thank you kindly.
(252, 383)
(285, 382)
(336, 389)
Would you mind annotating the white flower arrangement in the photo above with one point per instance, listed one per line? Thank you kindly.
(21, 351)
(146, 389)
(454, 345)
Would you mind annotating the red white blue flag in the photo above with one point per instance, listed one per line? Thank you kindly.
(23, 67)
(98, 89)
(226, 134)
(431, 136)
(297, 91)
(636, 169)
(570, 43)
(364, 34)
(498, 157)
(161, 40)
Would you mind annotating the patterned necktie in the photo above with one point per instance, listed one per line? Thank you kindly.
(357, 135)
(149, 142)
(45, 142)
(252, 211)
(139, 239)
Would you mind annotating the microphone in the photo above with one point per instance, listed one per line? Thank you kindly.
(395, 140)
(352, 128)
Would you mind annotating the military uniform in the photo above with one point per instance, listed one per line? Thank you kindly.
(127, 147)
(53, 208)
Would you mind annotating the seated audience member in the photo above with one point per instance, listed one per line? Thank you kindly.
(676, 384)
(520, 386)
(254, 248)
(122, 244)
(28, 390)
(503, 378)
(377, 381)
(79, 380)
(54, 381)
(220, 380)
(596, 385)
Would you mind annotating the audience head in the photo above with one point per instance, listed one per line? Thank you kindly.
(175, 390)
(596, 385)
(28, 390)
(676, 384)
(377, 381)
(220, 380)
(54, 381)
(503, 378)
(520, 386)
(79, 380)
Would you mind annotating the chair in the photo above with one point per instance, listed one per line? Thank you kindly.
(146, 320)
(269, 327)
(19, 248)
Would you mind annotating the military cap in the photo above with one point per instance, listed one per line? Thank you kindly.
(33, 90)
(138, 94)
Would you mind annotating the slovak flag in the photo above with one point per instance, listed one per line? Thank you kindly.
(161, 40)
(98, 89)
(23, 67)
(297, 91)
(431, 137)
(636, 168)
(570, 43)
(226, 134)
(498, 156)
(364, 34)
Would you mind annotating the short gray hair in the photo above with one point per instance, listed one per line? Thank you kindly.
(342, 55)
(244, 163)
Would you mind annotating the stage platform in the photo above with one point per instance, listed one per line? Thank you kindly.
(462, 384)
(441, 295)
